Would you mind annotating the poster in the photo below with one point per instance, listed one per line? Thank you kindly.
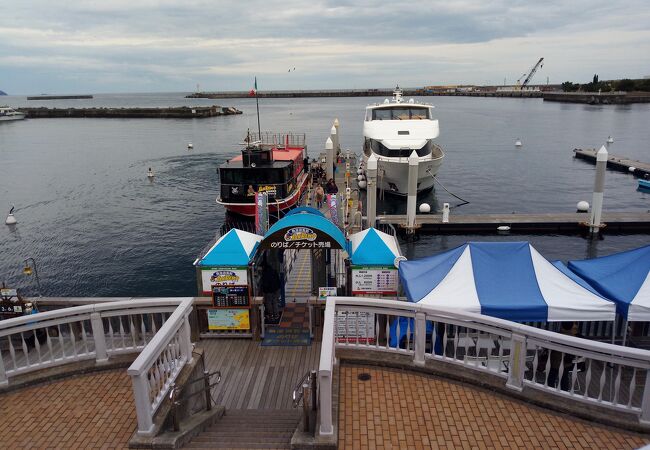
(355, 326)
(228, 319)
(324, 292)
(222, 276)
(332, 203)
(374, 280)
(261, 213)
(299, 237)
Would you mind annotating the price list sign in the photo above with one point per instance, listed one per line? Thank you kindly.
(374, 280)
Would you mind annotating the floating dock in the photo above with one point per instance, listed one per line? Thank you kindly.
(621, 222)
(614, 162)
(182, 112)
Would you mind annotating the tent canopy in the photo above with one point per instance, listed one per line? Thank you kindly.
(314, 228)
(509, 280)
(232, 249)
(373, 247)
(622, 277)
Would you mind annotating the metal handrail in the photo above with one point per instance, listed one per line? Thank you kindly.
(207, 386)
(297, 393)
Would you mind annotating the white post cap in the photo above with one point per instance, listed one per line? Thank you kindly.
(329, 145)
(414, 159)
(372, 162)
(333, 130)
(602, 154)
(336, 122)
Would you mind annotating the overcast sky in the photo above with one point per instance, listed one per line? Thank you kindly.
(94, 46)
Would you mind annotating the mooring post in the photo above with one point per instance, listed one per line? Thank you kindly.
(445, 213)
(411, 202)
(338, 135)
(599, 187)
(335, 142)
(329, 161)
(371, 195)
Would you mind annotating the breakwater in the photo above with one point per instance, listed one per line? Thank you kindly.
(596, 98)
(60, 97)
(419, 92)
(182, 112)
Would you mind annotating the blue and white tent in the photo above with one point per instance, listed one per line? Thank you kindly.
(232, 249)
(373, 247)
(509, 280)
(622, 277)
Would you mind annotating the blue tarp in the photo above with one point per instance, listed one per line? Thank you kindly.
(621, 277)
(509, 280)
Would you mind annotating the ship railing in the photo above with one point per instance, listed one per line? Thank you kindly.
(158, 329)
(279, 139)
(538, 364)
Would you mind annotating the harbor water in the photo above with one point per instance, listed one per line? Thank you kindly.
(97, 226)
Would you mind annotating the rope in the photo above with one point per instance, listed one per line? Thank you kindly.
(464, 202)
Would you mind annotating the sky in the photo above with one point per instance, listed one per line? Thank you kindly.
(110, 46)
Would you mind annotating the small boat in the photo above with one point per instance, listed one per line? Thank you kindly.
(394, 129)
(7, 113)
(274, 163)
(645, 184)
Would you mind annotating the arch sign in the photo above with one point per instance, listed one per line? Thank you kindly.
(299, 237)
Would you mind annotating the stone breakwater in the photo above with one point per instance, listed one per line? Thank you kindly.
(181, 112)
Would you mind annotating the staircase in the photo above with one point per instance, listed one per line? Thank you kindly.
(250, 428)
(298, 284)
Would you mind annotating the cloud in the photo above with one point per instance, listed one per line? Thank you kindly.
(331, 43)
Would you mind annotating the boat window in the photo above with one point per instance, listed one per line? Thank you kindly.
(382, 150)
(260, 176)
(401, 113)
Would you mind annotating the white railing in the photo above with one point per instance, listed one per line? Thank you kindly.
(599, 374)
(157, 328)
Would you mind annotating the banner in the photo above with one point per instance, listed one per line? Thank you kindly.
(261, 212)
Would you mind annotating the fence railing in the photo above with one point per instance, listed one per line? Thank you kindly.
(595, 373)
(157, 328)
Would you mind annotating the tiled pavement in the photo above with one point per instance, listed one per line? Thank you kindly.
(86, 411)
(399, 410)
(295, 315)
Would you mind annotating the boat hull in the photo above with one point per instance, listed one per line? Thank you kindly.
(12, 117)
(393, 173)
(248, 209)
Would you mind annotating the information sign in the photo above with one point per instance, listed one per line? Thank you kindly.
(228, 319)
(374, 280)
(324, 292)
(222, 276)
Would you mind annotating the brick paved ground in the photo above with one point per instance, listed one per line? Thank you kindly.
(404, 410)
(87, 411)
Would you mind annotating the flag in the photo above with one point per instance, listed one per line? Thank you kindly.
(253, 91)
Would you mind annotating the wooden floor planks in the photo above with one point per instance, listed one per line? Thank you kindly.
(256, 377)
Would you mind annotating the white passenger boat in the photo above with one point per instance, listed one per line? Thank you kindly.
(7, 113)
(392, 131)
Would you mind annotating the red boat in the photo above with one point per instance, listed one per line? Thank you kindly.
(274, 164)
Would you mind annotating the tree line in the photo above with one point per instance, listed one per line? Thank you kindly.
(625, 84)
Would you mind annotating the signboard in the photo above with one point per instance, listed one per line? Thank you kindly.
(233, 296)
(332, 203)
(228, 319)
(355, 326)
(269, 190)
(374, 280)
(324, 292)
(261, 213)
(222, 276)
(299, 237)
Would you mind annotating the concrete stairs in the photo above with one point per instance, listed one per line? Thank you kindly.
(250, 428)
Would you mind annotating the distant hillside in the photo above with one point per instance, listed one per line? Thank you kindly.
(3, 93)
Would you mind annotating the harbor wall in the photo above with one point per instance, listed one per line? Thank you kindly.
(183, 112)
(595, 98)
(364, 93)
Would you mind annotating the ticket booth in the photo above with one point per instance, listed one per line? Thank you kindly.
(224, 276)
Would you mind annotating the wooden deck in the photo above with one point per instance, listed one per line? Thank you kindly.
(256, 377)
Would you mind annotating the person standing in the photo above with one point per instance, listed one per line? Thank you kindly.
(270, 288)
(319, 196)
(331, 187)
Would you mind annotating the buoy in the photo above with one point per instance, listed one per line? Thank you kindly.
(610, 139)
(11, 219)
(362, 184)
(425, 208)
(150, 173)
(503, 229)
(190, 145)
(631, 169)
(518, 143)
(582, 206)
(360, 178)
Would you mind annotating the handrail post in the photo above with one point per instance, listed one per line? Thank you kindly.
(99, 337)
(3, 374)
(644, 418)
(186, 338)
(314, 390)
(305, 406)
(420, 338)
(517, 363)
(206, 387)
(142, 404)
(325, 382)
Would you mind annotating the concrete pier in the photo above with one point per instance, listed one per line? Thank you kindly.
(182, 112)
(615, 162)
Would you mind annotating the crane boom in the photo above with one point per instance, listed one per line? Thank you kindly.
(532, 72)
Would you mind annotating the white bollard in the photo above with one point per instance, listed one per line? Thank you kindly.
(599, 187)
(414, 161)
(335, 140)
(445, 213)
(329, 161)
(338, 133)
(371, 186)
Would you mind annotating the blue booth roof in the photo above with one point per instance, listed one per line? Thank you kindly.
(232, 249)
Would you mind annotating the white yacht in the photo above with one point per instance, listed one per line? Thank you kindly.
(7, 113)
(392, 131)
